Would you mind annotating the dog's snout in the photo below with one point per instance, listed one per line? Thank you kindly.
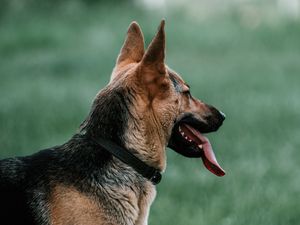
(216, 118)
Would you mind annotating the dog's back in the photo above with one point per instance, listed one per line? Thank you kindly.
(14, 207)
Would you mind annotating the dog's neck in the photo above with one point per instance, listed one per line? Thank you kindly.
(147, 148)
(146, 139)
(114, 118)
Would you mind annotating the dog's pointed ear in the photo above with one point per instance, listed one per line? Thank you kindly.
(133, 47)
(154, 58)
(152, 67)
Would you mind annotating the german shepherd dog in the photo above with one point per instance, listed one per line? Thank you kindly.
(106, 173)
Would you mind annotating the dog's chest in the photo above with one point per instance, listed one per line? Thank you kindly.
(120, 206)
(69, 206)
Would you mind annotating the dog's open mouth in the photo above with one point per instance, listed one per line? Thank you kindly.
(188, 140)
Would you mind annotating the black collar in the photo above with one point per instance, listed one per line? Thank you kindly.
(127, 157)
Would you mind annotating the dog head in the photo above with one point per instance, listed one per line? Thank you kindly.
(161, 110)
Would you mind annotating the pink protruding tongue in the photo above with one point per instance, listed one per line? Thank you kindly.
(208, 158)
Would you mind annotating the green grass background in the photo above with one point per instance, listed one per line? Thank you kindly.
(53, 62)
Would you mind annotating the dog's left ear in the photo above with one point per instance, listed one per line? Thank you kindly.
(133, 47)
(152, 66)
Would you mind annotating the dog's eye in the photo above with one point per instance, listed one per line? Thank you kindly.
(187, 93)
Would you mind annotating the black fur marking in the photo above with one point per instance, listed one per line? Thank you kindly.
(14, 208)
(109, 115)
(26, 182)
(175, 82)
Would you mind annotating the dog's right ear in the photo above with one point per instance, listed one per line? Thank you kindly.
(152, 67)
(133, 47)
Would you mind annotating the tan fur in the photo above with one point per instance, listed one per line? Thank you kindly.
(145, 201)
(69, 206)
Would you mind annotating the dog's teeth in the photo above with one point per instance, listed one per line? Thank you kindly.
(180, 129)
(190, 140)
(200, 146)
(186, 137)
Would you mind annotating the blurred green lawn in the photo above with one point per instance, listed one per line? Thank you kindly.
(53, 63)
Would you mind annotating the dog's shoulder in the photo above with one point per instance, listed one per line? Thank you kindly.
(14, 204)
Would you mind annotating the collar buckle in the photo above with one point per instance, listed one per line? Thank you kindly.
(155, 177)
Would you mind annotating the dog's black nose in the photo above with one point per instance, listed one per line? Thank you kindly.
(215, 119)
(222, 115)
